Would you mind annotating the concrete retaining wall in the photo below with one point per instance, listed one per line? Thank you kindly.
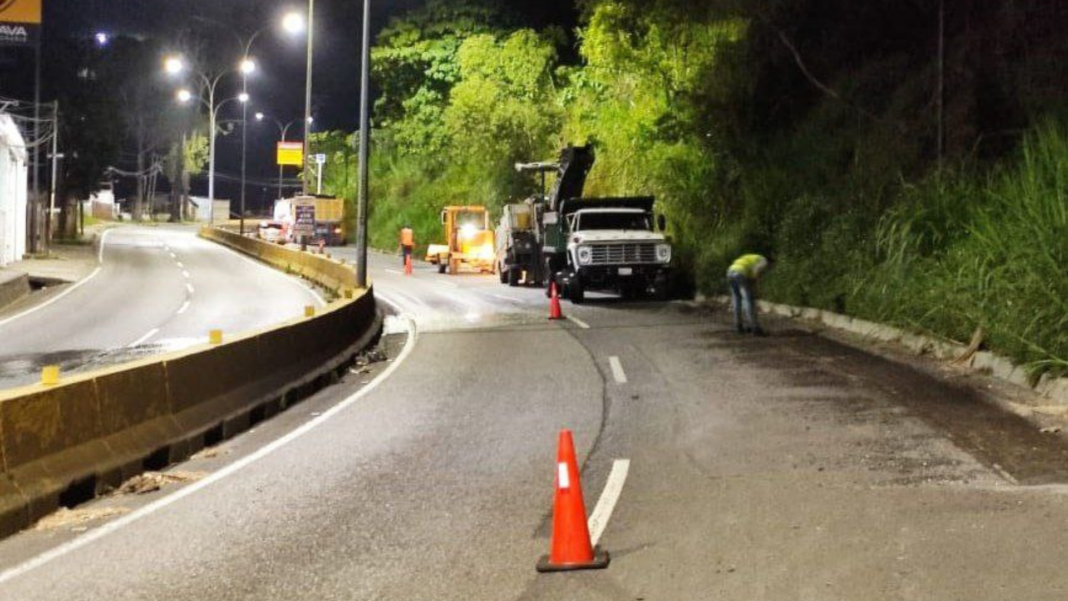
(13, 286)
(64, 444)
(1054, 390)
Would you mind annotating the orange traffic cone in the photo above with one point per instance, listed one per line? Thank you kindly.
(571, 547)
(554, 303)
(408, 265)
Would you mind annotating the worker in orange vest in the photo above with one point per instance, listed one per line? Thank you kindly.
(407, 242)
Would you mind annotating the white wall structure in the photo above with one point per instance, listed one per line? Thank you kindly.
(13, 192)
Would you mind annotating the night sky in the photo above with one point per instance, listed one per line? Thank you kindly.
(278, 86)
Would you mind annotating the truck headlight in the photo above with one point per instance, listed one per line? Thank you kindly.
(585, 255)
(663, 253)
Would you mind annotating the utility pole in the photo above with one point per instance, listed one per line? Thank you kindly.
(35, 204)
(365, 126)
(308, 92)
(941, 130)
(55, 173)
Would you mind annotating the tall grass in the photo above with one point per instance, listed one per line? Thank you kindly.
(954, 253)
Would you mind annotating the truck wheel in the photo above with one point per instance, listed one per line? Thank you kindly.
(504, 274)
(660, 288)
(513, 276)
(575, 291)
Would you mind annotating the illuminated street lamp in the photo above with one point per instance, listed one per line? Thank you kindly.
(174, 66)
(295, 23)
(102, 38)
(282, 130)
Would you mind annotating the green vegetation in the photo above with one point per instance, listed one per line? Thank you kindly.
(802, 129)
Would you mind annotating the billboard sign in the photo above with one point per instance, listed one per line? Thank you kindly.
(290, 153)
(20, 22)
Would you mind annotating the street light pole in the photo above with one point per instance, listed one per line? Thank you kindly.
(308, 91)
(365, 126)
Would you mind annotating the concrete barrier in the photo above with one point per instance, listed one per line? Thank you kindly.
(13, 286)
(61, 445)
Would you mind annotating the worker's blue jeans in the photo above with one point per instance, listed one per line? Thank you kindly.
(743, 301)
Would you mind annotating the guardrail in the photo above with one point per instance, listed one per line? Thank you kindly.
(63, 444)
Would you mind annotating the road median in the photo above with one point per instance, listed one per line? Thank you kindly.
(64, 444)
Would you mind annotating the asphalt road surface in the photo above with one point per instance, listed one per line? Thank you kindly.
(788, 467)
(156, 289)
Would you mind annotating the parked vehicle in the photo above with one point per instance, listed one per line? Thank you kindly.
(329, 219)
(518, 243)
(595, 243)
(272, 231)
(469, 241)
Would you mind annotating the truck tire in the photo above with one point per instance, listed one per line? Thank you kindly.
(575, 291)
(513, 276)
(504, 273)
(661, 288)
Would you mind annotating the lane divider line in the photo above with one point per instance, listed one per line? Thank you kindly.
(578, 322)
(183, 308)
(393, 271)
(181, 265)
(144, 338)
(190, 288)
(613, 488)
(185, 274)
(617, 370)
(507, 298)
(79, 284)
(134, 516)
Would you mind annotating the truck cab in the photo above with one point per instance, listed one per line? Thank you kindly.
(611, 244)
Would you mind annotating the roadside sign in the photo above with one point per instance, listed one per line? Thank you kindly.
(320, 159)
(304, 218)
(289, 153)
(20, 22)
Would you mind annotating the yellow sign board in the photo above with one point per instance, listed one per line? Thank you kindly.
(291, 153)
(20, 11)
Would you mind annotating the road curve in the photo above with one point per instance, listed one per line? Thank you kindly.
(156, 289)
(779, 468)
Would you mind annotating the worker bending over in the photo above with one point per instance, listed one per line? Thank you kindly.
(742, 277)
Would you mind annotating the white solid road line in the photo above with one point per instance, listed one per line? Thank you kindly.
(144, 338)
(79, 284)
(182, 309)
(94, 535)
(578, 322)
(617, 370)
(609, 497)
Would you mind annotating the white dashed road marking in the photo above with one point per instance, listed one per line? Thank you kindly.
(183, 308)
(144, 338)
(617, 370)
(578, 322)
(189, 287)
(609, 497)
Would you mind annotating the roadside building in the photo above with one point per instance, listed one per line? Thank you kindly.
(13, 191)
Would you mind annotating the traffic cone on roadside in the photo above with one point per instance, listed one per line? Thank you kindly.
(571, 548)
(554, 302)
(408, 265)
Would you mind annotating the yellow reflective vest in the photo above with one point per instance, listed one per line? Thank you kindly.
(748, 265)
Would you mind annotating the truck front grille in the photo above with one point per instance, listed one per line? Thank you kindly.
(623, 254)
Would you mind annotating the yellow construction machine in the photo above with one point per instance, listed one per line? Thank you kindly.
(469, 241)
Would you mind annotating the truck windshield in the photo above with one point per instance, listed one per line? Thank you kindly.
(613, 221)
